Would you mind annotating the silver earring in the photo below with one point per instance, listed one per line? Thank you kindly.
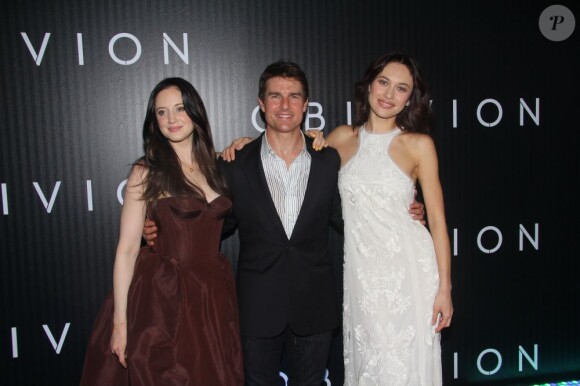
(369, 88)
(408, 103)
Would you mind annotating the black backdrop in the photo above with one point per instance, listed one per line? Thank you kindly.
(75, 77)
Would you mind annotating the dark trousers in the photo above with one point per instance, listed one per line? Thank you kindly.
(307, 357)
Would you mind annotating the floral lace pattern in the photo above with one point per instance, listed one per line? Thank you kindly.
(390, 274)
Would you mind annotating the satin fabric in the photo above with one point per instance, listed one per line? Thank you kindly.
(182, 319)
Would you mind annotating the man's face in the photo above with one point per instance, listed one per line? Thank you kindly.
(284, 104)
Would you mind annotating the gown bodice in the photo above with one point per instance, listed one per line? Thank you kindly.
(188, 224)
(372, 180)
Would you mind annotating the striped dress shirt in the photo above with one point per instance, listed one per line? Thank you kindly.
(287, 184)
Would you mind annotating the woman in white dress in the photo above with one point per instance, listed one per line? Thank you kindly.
(397, 275)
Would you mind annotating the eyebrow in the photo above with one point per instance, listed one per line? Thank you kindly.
(163, 107)
(401, 83)
(299, 93)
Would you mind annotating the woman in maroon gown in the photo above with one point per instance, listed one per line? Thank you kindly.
(171, 318)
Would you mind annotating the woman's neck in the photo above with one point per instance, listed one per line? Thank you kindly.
(379, 125)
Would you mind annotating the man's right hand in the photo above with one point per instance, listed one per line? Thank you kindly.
(229, 153)
(150, 231)
(319, 142)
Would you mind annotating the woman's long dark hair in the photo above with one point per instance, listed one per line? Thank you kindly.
(417, 117)
(165, 176)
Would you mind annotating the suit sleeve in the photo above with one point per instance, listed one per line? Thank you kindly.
(229, 227)
(230, 223)
(336, 220)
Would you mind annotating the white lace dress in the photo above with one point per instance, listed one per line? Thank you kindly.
(390, 274)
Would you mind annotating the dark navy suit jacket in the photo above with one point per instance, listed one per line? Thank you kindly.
(284, 282)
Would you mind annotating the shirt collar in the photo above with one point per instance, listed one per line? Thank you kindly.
(266, 149)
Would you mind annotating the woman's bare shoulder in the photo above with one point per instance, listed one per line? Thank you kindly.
(416, 139)
(341, 134)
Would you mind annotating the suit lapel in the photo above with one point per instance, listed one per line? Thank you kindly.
(254, 172)
(309, 204)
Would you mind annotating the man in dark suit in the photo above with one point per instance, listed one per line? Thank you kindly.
(285, 198)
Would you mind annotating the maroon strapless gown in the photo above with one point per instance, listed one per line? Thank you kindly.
(182, 315)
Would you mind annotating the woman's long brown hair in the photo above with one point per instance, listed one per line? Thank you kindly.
(417, 117)
(165, 176)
